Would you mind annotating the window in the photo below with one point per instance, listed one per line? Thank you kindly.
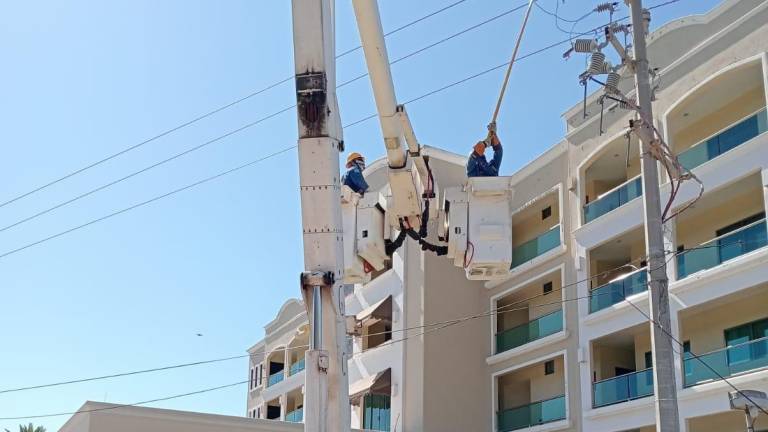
(261, 374)
(547, 288)
(549, 367)
(376, 410)
(252, 379)
(547, 212)
(739, 337)
(258, 412)
(648, 360)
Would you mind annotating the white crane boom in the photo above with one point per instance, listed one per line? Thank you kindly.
(407, 186)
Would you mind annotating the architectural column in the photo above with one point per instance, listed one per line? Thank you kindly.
(283, 400)
(287, 359)
(583, 355)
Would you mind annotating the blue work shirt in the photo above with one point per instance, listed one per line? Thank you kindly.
(355, 180)
(478, 166)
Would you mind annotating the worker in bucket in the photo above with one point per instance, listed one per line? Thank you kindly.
(478, 165)
(354, 176)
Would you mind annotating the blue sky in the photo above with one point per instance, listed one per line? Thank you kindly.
(84, 79)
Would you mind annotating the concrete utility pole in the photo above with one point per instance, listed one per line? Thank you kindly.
(326, 390)
(667, 416)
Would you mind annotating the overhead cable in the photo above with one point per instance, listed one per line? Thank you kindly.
(207, 114)
(239, 129)
(116, 406)
(151, 370)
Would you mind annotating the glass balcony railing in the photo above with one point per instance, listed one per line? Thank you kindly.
(726, 362)
(725, 140)
(623, 388)
(616, 291)
(530, 331)
(722, 249)
(535, 247)
(614, 199)
(276, 378)
(537, 413)
(295, 416)
(297, 367)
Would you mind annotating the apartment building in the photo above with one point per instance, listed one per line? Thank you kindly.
(276, 367)
(568, 349)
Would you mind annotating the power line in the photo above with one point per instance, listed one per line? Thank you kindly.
(698, 357)
(429, 328)
(197, 392)
(507, 308)
(240, 167)
(443, 40)
(147, 168)
(423, 96)
(241, 128)
(207, 114)
(224, 359)
(144, 371)
(149, 201)
(248, 164)
(265, 352)
(416, 21)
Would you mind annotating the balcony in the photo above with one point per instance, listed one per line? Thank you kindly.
(611, 178)
(726, 362)
(623, 388)
(531, 395)
(533, 414)
(729, 335)
(614, 199)
(725, 140)
(617, 290)
(295, 416)
(536, 246)
(517, 336)
(297, 367)
(613, 270)
(622, 366)
(723, 248)
(276, 378)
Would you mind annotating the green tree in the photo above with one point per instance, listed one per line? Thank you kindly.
(29, 428)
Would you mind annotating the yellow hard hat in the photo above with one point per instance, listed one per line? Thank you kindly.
(353, 157)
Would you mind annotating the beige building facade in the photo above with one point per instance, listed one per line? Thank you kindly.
(566, 349)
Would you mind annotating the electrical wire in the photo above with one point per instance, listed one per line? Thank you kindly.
(116, 406)
(253, 162)
(242, 128)
(561, 289)
(266, 352)
(507, 308)
(354, 123)
(208, 114)
(697, 357)
(443, 40)
(146, 202)
(151, 370)
(427, 329)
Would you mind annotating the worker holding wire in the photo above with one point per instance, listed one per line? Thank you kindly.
(478, 165)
